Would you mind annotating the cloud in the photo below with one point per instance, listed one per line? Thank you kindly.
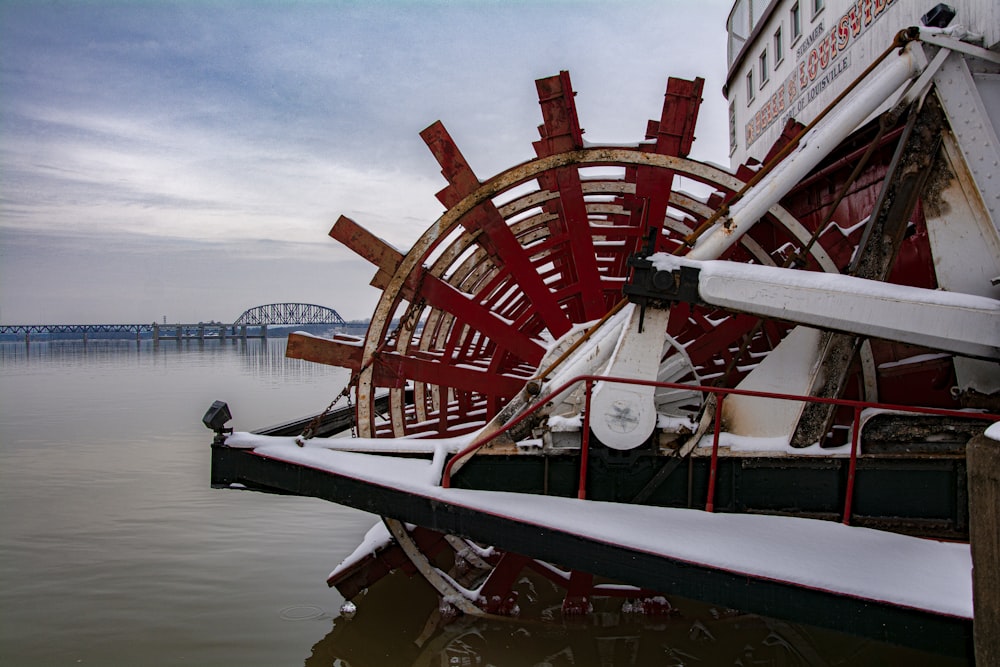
(112, 173)
(98, 278)
(234, 124)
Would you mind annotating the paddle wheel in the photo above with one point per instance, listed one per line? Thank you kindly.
(523, 264)
(537, 252)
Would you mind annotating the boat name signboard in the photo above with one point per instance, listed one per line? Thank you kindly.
(820, 59)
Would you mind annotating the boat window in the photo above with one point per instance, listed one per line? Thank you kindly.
(743, 18)
(795, 19)
(817, 7)
(757, 9)
(738, 28)
(750, 90)
(779, 47)
(763, 67)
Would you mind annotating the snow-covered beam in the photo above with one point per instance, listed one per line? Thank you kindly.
(963, 324)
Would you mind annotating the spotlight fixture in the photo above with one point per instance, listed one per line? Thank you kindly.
(939, 16)
(216, 419)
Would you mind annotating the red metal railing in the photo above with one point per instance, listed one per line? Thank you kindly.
(720, 393)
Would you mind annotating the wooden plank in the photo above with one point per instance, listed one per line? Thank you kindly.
(561, 132)
(370, 247)
(674, 134)
(983, 461)
(392, 370)
(344, 351)
(497, 239)
(443, 296)
(454, 167)
(675, 131)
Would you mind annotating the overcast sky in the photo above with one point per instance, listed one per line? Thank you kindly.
(186, 160)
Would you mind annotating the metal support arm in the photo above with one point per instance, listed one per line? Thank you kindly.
(962, 324)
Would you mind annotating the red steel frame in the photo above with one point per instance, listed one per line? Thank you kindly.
(720, 393)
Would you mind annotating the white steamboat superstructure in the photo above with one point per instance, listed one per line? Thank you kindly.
(789, 59)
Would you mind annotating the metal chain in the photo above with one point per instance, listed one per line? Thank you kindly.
(310, 430)
(406, 324)
(354, 422)
(409, 321)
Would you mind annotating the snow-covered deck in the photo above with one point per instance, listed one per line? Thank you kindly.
(854, 579)
(860, 564)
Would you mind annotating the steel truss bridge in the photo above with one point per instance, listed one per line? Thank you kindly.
(272, 314)
(288, 313)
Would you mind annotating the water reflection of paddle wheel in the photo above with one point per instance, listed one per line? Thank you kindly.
(530, 255)
(696, 634)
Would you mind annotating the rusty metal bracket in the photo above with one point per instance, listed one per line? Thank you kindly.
(658, 289)
(876, 254)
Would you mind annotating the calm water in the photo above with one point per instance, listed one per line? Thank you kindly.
(115, 551)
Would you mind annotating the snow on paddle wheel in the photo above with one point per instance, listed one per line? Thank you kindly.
(535, 255)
